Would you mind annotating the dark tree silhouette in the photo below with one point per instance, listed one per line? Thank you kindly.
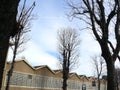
(23, 26)
(68, 48)
(103, 19)
(8, 12)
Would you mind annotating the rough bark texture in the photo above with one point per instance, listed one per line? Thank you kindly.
(8, 12)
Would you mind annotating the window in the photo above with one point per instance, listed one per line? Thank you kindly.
(29, 76)
(21, 79)
(93, 83)
(83, 86)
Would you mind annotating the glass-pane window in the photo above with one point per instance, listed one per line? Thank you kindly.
(38, 81)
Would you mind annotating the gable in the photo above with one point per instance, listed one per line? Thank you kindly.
(74, 76)
(45, 71)
(21, 66)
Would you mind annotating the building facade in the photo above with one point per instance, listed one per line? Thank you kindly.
(26, 77)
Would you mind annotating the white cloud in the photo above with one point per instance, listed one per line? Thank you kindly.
(89, 46)
(35, 55)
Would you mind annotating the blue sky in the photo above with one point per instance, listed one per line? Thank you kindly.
(50, 16)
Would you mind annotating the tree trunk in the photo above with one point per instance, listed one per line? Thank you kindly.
(110, 75)
(110, 65)
(64, 84)
(10, 71)
(99, 83)
(64, 76)
(8, 12)
(65, 71)
(110, 72)
(3, 54)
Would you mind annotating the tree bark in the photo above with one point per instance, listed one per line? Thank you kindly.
(110, 65)
(111, 74)
(65, 74)
(99, 83)
(65, 78)
(8, 12)
(65, 83)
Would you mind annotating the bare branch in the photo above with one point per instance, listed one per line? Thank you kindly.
(68, 48)
(18, 37)
(103, 19)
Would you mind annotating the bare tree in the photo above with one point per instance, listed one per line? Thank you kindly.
(103, 19)
(8, 12)
(100, 67)
(23, 26)
(68, 48)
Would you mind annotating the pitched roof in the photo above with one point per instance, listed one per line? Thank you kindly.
(58, 71)
(43, 66)
(17, 61)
